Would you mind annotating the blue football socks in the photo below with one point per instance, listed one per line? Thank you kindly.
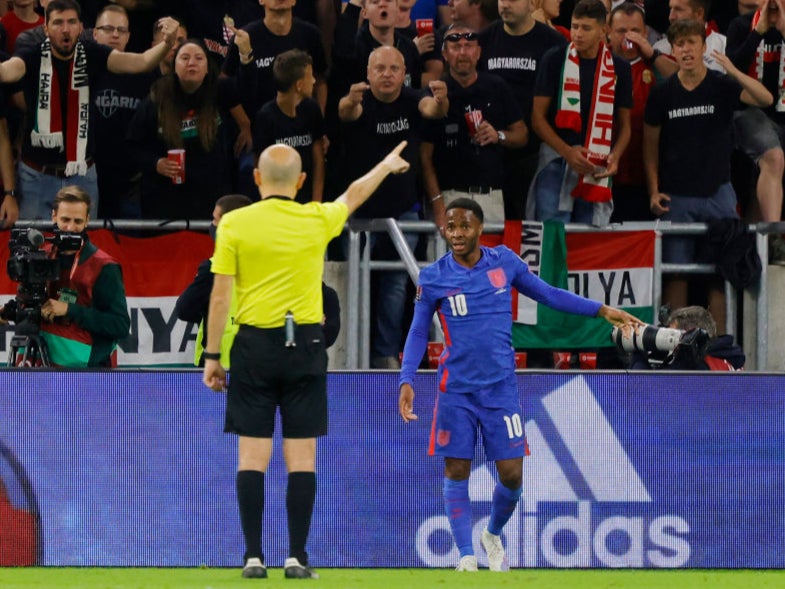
(459, 512)
(504, 502)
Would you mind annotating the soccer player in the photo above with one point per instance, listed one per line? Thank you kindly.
(470, 288)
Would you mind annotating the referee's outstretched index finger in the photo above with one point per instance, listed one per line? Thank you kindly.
(400, 147)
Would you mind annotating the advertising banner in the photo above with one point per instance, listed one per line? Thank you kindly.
(131, 468)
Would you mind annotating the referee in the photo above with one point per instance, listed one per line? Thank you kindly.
(272, 254)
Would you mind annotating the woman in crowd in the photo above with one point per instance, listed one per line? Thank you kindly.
(186, 110)
(545, 11)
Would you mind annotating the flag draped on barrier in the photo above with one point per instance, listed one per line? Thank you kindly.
(155, 271)
(615, 268)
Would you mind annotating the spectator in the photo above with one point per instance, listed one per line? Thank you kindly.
(430, 59)
(475, 14)
(115, 100)
(9, 205)
(351, 47)
(512, 49)
(694, 10)
(293, 118)
(167, 63)
(628, 40)
(277, 32)
(183, 111)
(34, 36)
(57, 146)
(545, 11)
(375, 118)
(23, 17)
(585, 127)
(86, 313)
(687, 143)
(755, 46)
(462, 155)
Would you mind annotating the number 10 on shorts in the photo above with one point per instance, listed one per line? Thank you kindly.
(514, 426)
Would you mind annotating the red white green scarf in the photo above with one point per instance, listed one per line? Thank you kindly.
(48, 129)
(756, 69)
(599, 133)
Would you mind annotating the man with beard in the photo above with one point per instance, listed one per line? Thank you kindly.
(57, 77)
(86, 313)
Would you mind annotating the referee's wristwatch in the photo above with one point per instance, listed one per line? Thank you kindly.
(211, 355)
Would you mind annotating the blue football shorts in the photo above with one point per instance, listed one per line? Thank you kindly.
(494, 412)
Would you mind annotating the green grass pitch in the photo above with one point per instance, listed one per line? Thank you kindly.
(225, 578)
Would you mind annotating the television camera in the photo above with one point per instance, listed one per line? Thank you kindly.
(33, 268)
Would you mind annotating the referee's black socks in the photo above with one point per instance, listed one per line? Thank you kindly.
(250, 499)
(300, 496)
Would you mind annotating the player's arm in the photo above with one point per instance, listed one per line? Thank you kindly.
(220, 300)
(413, 350)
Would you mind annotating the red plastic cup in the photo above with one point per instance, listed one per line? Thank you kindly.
(177, 155)
(424, 26)
(473, 121)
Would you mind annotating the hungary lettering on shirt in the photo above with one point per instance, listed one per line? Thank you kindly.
(392, 127)
(265, 62)
(512, 63)
(296, 141)
(691, 111)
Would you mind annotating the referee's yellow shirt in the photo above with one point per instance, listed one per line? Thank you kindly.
(275, 251)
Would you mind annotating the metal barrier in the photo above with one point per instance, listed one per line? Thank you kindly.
(360, 266)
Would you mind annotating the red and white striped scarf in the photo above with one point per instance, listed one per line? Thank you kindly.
(599, 134)
(48, 128)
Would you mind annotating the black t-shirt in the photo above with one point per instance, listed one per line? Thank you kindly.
(696, 135)
(114, 99)
(515, 59)
(459, 162)
(743, 43)
(379, 129)
(272, 126)
(548, 83)
(255, 80)
(97, 56)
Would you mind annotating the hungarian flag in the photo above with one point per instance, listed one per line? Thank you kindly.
(615, 268)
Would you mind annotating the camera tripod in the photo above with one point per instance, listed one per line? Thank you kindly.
(28, 348)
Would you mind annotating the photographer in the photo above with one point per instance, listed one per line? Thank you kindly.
(86, 312)
(695, 345)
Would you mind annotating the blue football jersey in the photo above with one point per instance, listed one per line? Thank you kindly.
(475, 311)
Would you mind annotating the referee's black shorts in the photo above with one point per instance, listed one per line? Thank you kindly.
(265, 374)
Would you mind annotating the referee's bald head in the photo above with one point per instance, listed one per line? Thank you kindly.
(279, 171)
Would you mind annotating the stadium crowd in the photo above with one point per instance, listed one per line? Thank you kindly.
(536, 109)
